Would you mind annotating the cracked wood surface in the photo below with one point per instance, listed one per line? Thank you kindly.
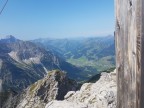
(129, 38)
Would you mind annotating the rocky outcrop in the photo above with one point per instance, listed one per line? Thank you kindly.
(54, 86)
(101, 94)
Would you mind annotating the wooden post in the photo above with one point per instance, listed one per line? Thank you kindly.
(129, 36)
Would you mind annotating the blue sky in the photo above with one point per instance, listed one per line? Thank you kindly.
(30, 19)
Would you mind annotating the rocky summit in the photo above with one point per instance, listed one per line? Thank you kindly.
(101, 94)
(53, 87)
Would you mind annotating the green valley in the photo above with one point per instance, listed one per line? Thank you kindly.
(92, 55)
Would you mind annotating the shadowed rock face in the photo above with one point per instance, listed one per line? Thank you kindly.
(101, 94)
(54, 86)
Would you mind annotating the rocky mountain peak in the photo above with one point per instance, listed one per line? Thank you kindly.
(53, 86)
(8, 38)
(101, 94)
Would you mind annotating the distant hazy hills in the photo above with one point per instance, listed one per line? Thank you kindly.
(23, 63)
(91, 54)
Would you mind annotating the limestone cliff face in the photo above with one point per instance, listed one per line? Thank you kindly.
(101, 94)
(54, 86)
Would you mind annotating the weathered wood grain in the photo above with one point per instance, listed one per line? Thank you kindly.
(129, 38)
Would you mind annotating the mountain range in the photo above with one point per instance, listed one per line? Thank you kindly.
(92, 55)
(23, 63)
(35, 71)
